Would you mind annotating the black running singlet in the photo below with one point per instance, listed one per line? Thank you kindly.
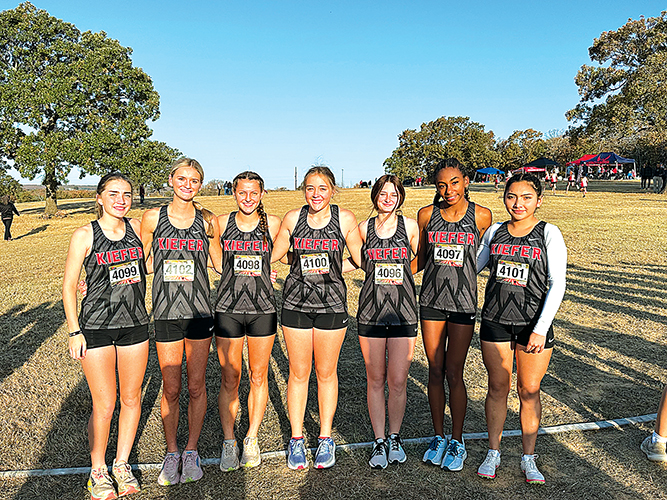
(245, 284)
(518, 279)
(115, 281)
(315, 282)
(388, 294)
(180, 287)
(450, 273)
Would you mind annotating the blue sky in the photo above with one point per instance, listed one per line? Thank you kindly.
(270, 86)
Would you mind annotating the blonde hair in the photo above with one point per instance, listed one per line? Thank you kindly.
(323, 171)
(192, 163)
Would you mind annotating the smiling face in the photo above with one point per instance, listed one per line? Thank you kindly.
(318, 191)
(116, 198)
(388, 198)
(186, 182)
(248, 195)
(521, 200)
(451, 184)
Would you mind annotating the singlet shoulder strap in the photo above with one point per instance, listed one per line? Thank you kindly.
(129, 230)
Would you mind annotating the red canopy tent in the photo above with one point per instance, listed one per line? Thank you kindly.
(581, 160)
(532, 170)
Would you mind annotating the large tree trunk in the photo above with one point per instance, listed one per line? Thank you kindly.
(51, 185)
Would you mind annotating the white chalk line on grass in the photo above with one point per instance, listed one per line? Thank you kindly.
(556, 429)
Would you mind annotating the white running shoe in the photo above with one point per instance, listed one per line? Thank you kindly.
(654, 451)
(169, 474)
(191, 469)
(489, 465)
(435, 450)
(378, 459)
(229, 460)
(396, 451)
(529, 468)
(251, 456)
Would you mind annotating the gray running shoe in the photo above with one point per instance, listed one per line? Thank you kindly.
(251, 456)
(654, 451)
(191, 470)
(169, 474)
(325, 456)
(296, 454)
(396, 452)
(126, 483)
(378, 459)
(100, 485)
(489, 465)
(529, 468)
(229, 460)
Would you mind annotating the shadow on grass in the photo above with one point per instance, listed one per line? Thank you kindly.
(33, 231)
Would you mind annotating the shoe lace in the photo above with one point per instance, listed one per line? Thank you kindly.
(455, 449)
(100, 475)
(434, 444)
(295, 449)
(324, 446)
(378, 449)
(490, 459)
(395, 443)
(122, 470)
(171, 460)
(189, 460)
(530, 466)
(228, 451)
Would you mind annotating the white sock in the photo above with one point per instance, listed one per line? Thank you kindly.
(657, 438)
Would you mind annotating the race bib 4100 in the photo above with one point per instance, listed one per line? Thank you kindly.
(126, 273)
(388, 274)
(248, 265)
(178, 270)
(448, 255)
(514, 273)
(315, 263)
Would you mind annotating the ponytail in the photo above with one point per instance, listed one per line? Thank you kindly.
(263, 221)
(208, 217)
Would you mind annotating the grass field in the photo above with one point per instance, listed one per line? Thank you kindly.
(610, 362)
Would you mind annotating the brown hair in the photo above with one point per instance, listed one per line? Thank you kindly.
(102, 185)
(323, 171)
(449, 163)
(248, 175)
(379, 184)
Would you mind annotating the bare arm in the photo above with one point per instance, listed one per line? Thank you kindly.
(148, 225)
(348, 264)
(214, 248)
(483, 218)
(79, 247)
(423, 217)
(281, 244)
(350, 228)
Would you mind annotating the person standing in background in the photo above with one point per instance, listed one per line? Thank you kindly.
(7, 210)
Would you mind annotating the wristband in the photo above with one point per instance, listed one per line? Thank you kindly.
(74, 334)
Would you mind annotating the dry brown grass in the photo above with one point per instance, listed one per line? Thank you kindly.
(610, 362)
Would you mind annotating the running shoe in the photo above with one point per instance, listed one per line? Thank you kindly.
(435, 450)
(378, 459)
(489, 465)
(325, 456)
(229, 460)
(191, 470)
(169, 474)
(529, 468)
(251, 456)
(126, 483)
(455, 455)
(654, 451)
(296, 454)
(396, 452)
(100, 485)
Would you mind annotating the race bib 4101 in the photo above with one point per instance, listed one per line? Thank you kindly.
(514, 273)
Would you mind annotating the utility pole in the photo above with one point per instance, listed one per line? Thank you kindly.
(342, 177)
(295, 186)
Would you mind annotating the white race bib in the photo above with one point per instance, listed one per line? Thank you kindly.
(448, 255)
(178, 270)
(388, 274)
(126, 273)
(248, 265)
(514, 273)
(315, 263)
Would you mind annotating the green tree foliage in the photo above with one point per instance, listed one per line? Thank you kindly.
(69, 99)
(419, 151)
(624, 97)
(9, 185)
(149, 164)
(521, 147)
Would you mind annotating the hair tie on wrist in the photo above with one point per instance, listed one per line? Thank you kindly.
(74, 334)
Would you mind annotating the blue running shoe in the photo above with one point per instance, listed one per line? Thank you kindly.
(435, 450)
(326, 453)
(296, 454)
(455, 455)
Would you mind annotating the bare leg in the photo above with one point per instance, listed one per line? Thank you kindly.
(326, 350)
(661, 421)
(170, 357)
(132, 362)
(458, 343)
(259, 354)
(530, 369)
(434, 337)
(375, 357)
(400, 352)
(230, 355)
(99, 367)
(196, 355)
(299, 344)
(498, 360)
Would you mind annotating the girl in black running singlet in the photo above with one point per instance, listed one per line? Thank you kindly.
(179, 238)
(245, 308)
(527, 259)
(314, 315)
(387, 314)
(112, 330)
(450, 229)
